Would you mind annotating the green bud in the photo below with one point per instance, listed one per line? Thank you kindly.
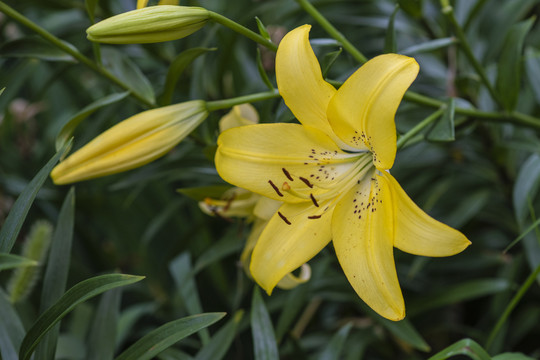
(149, 25)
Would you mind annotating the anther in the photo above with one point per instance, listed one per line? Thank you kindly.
(284, 218)
(275, 188)
(314, 217)
(306, 181)
(314, 200)
(287, 174)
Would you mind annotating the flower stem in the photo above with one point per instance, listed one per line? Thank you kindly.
(220, 19)
(332, 31)
(228, 103)
(70, 49)
(419, 127)
(448, 11)
(515, 300)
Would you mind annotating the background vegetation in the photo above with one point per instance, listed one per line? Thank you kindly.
(477, 169)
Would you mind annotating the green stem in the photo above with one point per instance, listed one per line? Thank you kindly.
(69, 49)
(228, 103)
(220, 19)
(419, 127)
(332, 31)
(448, 11)
(515, 300)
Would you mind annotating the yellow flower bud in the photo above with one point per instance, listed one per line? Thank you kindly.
(149, 25)
(131, 143)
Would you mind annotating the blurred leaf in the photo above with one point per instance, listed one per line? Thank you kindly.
(128, 318)
(10, 261)
(526, 186)
(221, 341)
(77, 294)
(466, 347)
(227, 245)
(14, 221)
(166, 335)
(443, 128)
(329, 60)
(91, 8)
(183, 276)
(101, 342)
(56, 273)
(412, 7)
(390, 37)
(405, 331)
(429, 46)
(34, 47)
(202, 192)
(512, 356)
(177, 67)
(458, 293)
(264, 341)
(262, 29)
(509, 64)
(296, 301)
(69, 127)
(532, 69)
(2, 90)
(524, 233)
(334, 348)
(126, 70)
(11, 329)
(262, 72)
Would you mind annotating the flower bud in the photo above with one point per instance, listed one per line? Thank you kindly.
(131, 143)
(149, 25)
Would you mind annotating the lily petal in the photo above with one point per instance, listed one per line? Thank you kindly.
(418, 233)
(295, 234)
(362, 111)
(362, 229)
(300, 82)
(270, 158)
(141, 3)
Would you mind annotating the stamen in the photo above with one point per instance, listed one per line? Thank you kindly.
(285, 186)
(275, 188)
(284, 218)
(314, 217)
(287, 174)
(306, 181)
(314, 200)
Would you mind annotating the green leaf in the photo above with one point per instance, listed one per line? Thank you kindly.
(405, 331)
(412, 7)
(524, 233)
(526, 186)
(328, 60)
(466, 347)
(178, 65)
(532, 69)
(296, 302)
(128, 318)
(262, 29)
(443, 128)
(429, 46)
(221, 342)
(2, 90)
(69, 127)
(227, 245)
(509, 68)
(264, 341)
(14, 221)
(91, 8)
(335, 346)
(56, 273)
(10, 261)
(126, 70)
(390, 37)
(512, 356)
(166, 335)
(101, 342)
(34, 47)
(77, 294)
(11, 328)
(262, 72)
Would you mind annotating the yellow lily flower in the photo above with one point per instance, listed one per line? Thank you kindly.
(131, 143)
(331, 172)
(149, 25)
(143, 3)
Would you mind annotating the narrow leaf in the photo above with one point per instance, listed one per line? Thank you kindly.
(526, 186)
(128, 318)
(429, 46)
(262, 72)
(390, 37)
(34, 47)
(10, 261)
(412, 7)
(329, 60)
(466, 347)
(166, 335)
(101, 342)
(264, 341)
(262, 29)
(14, 221)
(91, 8)
(77, 294)
(532, 68)
(335, 346)
(69, 127)
(509, 68)
(405, 331)
(443, 128)
(221, 342)
(11, 328)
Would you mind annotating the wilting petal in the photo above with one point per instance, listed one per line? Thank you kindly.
(362, 229)
(363, 109)
(132, 143)
(292, 237)
(418, 233)
(268, 158)
(300, 80)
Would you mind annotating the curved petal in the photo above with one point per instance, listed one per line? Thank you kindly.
(418, 233)
(362, 229)
(300, 82)
(278, 160)
(295, 234)
(362, 111)
(290, 281)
